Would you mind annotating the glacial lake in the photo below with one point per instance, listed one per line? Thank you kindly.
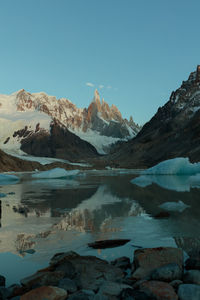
(59, 215)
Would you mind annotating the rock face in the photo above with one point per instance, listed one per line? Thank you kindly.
(37, 115)
(10, 163)
(174, 131)
(59, 143)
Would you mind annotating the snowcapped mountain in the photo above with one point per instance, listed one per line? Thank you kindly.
(27, 120)
(174, 131)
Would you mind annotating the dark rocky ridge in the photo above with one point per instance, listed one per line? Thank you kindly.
(174, 131)
(58, 143)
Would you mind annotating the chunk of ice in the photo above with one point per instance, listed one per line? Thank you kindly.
(55, 173)
(174, 206)
(8, 179)
(175, 166)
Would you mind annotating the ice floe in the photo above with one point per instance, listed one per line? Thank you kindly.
(8, 179)
(176, 174)
(175, 166)
(55, 173)
(174, 206)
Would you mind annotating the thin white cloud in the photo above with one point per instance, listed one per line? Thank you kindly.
(89, 84)
(109, 87)
(101, 86)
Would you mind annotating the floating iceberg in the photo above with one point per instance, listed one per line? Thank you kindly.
(174, 206)
(55, 173)
(8, 179)
(172, 182)
(175, 166)
(190, 175)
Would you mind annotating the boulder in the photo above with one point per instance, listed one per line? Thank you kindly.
(148, 259)
(110, 288)
(42, 278)
(2, 280)
(89, 272)
(192, 263)
(68, 285)
(167, 273)
(192, 276)
(122, 262)
(189, 291)
(158, 290)
(45, 292)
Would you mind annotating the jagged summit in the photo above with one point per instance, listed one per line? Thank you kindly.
(99, 124)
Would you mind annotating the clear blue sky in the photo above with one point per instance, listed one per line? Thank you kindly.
(139, 50)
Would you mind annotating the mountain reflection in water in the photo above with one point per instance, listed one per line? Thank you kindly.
(60, 215)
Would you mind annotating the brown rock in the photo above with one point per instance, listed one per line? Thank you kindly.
(158, 290)
(148, 259)
(43, 278)
(45, 292)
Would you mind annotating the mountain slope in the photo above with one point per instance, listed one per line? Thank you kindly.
(25, 116)
(174, 130)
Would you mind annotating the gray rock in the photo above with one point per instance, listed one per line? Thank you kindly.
(110, 288)
(192, 264)
(122, 263)
(99, 296)
(175, 284)
(189, 292)
(158, 290)
(147, 259)
(42, 278)
(167, 273)
(89, 272)
(4, 293)
(2, 280)
(131, 294)
(80, 296)
(192, 276)
(68, 285)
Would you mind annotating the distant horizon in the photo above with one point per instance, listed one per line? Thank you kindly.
(134, 52)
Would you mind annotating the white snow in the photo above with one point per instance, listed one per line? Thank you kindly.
(45, 160)
(13, 120)
(175, 166)
(174, 206)
(55, 173)
(100, 142)
(8, 179)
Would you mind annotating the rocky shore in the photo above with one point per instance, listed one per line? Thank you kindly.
(154, 273)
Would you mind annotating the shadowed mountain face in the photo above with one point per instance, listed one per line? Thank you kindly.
(59, 143)
(174, 131)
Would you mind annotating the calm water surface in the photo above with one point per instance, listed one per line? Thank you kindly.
(51, 216)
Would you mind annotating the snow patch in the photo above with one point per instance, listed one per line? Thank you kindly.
(100, 142)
